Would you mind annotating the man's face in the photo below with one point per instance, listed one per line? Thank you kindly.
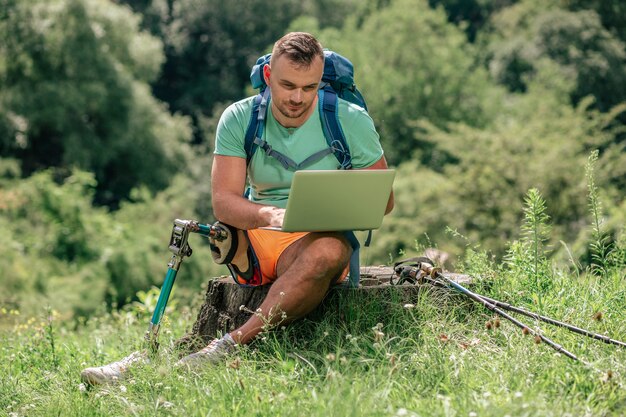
(294, 89)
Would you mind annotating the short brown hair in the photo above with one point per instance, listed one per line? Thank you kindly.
(301, 48)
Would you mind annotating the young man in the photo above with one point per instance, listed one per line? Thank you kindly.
(300, 266)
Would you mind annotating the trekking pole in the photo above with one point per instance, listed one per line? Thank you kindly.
(527, 313)
(179, 246)
(435, 273)
(554, 322)
(533, 315)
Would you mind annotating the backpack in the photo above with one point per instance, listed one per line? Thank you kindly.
(337, 82)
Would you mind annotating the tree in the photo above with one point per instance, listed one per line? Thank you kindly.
(586, 52)
(210, 47)
(537, 140)
(411, 64)
(611, 12)
(64, 252)
(471, 15)
(74, 87)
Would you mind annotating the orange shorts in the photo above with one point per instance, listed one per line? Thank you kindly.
(268, 246)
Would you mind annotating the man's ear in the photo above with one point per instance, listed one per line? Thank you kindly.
(266, 73)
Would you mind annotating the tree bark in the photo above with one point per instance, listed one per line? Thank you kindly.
(228, 305)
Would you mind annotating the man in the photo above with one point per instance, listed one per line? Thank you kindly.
(300, 266)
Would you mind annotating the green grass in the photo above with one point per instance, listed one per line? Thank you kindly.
(435, 359)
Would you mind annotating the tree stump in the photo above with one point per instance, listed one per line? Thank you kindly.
(228, 305)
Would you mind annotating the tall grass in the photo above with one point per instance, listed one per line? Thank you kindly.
(527, 259)
(434, 356)
(600, 247)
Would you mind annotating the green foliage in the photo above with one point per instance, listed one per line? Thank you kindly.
(52, 233)
(536, 141)
(223, 40)
(74, 93)
(210, 47)
(412, 65)
(586, 52)
(612, 13)
(535, 229)
(471, 15)
(599, 245)
(527, 259)
(68, 254)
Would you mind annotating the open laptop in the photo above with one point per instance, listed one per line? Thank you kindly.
(337, 200)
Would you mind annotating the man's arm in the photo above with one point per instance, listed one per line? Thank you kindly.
(382, 164)
(228, 180)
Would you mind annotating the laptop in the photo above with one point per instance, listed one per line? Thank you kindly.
(337, 200)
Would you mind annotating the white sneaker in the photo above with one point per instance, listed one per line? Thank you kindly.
(113, 371)
(213, 353)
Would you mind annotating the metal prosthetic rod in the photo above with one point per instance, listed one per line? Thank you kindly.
(179, 246)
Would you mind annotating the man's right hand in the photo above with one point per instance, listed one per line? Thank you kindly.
(273, 215)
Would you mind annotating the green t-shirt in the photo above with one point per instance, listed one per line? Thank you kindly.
(269, 181)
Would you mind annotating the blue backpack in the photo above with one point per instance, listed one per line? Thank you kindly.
(337, 82)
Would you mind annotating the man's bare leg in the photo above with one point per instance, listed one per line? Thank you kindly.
(305, 272)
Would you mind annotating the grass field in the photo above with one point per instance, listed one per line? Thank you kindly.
(435, 357)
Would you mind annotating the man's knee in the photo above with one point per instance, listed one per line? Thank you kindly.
(331, 251)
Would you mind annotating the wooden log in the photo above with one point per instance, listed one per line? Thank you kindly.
(228, 305)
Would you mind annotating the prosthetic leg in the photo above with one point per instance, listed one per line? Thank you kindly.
(227, 245)
(179, 246)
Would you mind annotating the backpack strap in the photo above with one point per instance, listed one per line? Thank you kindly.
(254, 136)
(355, 269)
(257, 122)
(329, 115)
(287, 162)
